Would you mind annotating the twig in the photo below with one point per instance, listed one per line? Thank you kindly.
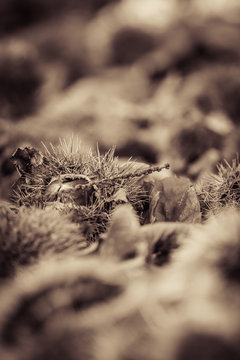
(126, 176)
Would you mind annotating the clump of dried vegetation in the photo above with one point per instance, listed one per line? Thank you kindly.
(85, 184)
(217, 191)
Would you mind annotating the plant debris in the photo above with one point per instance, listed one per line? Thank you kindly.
(107, 251)
(85, 184)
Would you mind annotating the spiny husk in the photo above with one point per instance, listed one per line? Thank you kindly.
(217, 191)
(105, 171)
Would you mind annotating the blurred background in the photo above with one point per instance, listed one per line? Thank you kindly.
(158, 79)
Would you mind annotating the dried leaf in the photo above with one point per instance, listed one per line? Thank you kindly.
(27, 158)
(121, 242)
(173, 199)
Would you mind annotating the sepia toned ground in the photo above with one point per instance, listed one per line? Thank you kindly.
(102, 257)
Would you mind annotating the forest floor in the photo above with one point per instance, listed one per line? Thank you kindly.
(119, 140)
